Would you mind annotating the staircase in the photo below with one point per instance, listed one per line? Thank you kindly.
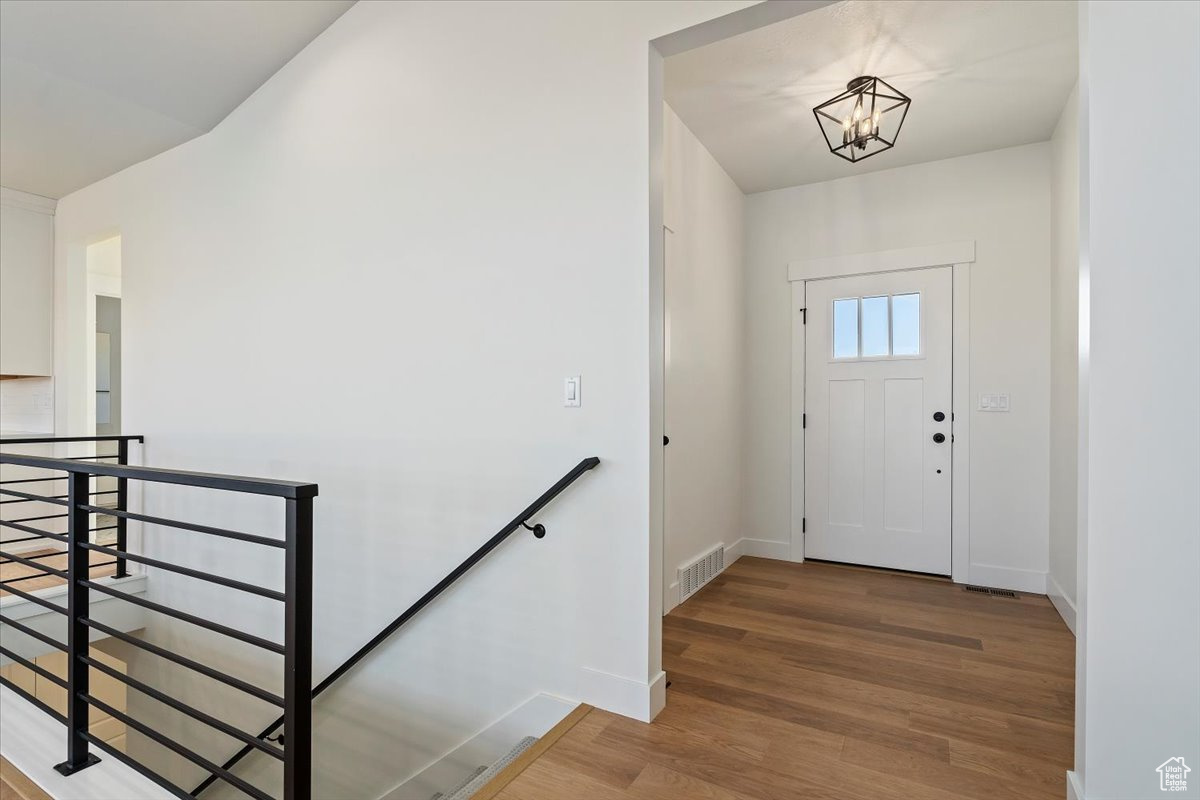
(483, 774)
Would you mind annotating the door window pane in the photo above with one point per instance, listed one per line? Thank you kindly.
(906, 324)
(875, 326)
(845, 328)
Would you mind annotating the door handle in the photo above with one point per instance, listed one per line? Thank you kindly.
(939, 438)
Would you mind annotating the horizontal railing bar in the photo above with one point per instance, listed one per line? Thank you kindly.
(135, 765)
(187, 526)
(25, 629)
(184, 661)
(53, 439)
(35, 558)
(7, 581)
(105, 528)
(38, 533)
(32, 564)
(177, 748)
(33, 498)
(189, 572)
(39, 704)
(28, 497)
(37, 519)
(205, 480)
(33, 598)
(34, 480)
(88, 458)
(184, 708)
(34, 668)
(24, 539)
(215, 627)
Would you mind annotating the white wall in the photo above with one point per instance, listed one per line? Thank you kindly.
(705, 354)
(26, 283)
(1064, 359)
(999, 199)
(1138, 680)
(374, 275)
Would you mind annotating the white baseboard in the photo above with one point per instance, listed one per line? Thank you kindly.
(1019, 580)
(761, 548)
(534, 717)
(625, 696)
(671, 597)
(1074, 786)
(1063, 604)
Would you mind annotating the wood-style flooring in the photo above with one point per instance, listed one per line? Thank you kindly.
(836, 683)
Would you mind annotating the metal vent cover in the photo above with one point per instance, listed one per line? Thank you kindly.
(991, 591)
(701, 571)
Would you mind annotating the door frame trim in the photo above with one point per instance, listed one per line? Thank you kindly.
(957, 255)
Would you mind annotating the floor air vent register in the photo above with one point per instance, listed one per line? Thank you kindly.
(700, 572)
(988, 590)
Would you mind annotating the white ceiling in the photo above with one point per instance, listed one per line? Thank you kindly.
(981, 75)
(89, 87)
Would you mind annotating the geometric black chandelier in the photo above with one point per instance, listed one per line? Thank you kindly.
(863, 120)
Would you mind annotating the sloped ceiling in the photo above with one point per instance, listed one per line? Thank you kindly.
(89, 87)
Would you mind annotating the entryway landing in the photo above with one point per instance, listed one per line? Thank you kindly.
(820, 681)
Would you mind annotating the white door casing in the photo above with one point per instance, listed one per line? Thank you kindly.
(877, 484)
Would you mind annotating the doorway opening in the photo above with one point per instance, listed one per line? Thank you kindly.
(103, 337)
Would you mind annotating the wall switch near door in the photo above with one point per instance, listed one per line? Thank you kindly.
(993, 402)
(572, 387)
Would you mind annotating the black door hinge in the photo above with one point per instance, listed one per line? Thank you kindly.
(804, 524)
(804, 316)
(804, 420)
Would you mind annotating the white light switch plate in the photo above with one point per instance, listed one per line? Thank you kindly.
(993, 402)
(572, 389)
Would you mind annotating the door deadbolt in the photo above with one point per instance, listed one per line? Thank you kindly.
(939, 437)
(938, 416)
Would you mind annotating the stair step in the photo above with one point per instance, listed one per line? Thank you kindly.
(475, 773)
(481, 778)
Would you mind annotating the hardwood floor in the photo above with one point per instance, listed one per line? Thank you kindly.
(15, 785)
(836, 683)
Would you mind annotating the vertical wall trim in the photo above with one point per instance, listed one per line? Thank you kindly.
(799, 343)
(960, 474)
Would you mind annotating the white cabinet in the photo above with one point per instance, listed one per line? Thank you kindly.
(26, 284)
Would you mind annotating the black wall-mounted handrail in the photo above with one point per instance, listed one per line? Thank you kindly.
(491, 544)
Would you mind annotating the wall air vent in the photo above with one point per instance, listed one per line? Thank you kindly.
(700, 572)
(991, 591)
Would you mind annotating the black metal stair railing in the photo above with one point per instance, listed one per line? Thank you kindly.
(296, 596)
(520, 521)
(120, 525)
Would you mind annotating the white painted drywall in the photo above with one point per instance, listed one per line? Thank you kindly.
(1064, 359)
(999, 199)
(374, 275)
(705, 354)
(26, 283)
(1138, 680)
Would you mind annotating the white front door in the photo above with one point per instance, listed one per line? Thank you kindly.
(877, 432)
